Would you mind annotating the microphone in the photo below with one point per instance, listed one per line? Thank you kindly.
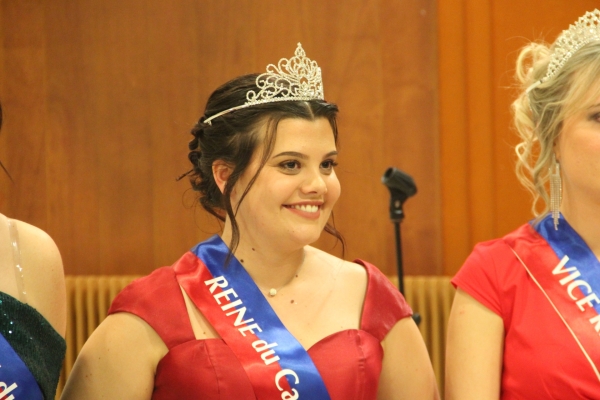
(401, 187)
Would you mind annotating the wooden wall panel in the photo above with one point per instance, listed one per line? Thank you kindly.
(100, 97)
(4, 180)
(454, 148)
(410, 127)
(478, 46)
(24, 62)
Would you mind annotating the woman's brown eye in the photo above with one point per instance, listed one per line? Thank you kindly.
(290, 164)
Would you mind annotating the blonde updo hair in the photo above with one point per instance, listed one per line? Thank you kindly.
(540, 114)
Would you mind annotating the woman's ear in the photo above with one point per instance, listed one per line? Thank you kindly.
(221, 172)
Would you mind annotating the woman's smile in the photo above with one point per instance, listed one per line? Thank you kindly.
(306, 210)
(293, 195)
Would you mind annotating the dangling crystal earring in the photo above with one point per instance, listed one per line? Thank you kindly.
(555, 191)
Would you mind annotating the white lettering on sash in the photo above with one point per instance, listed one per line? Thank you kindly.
(6, 390)
(587, 300)
(266, 351)
(287, 395)
(216, 282)
(250, 328)
(573, 274)
(596, 320)
(570, 277)
(225, 293)
(221, 282)
(239, 319)
(576, 283)
(231, 305)
(260, 346)
(559, 267)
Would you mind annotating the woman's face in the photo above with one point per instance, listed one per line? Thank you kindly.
(292, 197)
(578, 151)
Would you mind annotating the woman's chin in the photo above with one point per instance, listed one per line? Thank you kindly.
(306, 238)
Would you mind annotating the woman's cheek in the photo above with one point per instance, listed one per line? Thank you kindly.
(334, 191)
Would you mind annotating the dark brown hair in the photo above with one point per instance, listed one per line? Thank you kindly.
(2, 165)
(234, 137)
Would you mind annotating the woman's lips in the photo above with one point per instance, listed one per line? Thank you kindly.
(310, 211)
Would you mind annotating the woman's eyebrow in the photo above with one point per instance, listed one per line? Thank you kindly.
(302, 156)
(291, 154)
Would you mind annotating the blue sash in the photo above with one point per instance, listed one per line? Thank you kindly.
(567, 272)
(16, 381)
(276, 363)
(566, 242)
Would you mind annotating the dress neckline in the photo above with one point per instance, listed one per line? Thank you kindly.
(29, 310)
(324, 339)
(362, 313)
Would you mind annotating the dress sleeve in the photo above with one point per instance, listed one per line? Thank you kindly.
(483, 273)
(384, 304)
(157, 299)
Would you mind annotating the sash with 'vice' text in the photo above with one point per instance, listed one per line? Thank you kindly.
(568, 273)
(277, 365)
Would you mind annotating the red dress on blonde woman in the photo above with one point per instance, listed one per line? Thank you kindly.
(541, 360)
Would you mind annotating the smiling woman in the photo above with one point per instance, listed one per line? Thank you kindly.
(257, 312)
(296, 190)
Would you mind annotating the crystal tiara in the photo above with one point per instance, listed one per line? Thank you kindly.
(296, 79)
(582, 32)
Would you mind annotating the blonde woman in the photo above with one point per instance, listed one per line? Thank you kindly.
(525, 321)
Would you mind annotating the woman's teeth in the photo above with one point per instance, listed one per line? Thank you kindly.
(306, 208)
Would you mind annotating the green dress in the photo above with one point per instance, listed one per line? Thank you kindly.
(36, 342)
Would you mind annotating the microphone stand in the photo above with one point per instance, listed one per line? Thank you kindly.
(399, 264)
(401, 187)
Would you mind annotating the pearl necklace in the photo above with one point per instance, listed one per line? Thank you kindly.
(273, 291)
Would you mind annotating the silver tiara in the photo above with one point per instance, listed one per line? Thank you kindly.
(582, 32)
(296, 79)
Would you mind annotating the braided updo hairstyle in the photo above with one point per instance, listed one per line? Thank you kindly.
(540, 114)
(234, 137)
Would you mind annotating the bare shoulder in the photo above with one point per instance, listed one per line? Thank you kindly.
(474, 349)
(43, 274)
(401, 379)
(118, 361)
(347, 272)
(345, 284)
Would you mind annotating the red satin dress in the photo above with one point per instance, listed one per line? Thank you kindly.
(349, 361)
(541, 359)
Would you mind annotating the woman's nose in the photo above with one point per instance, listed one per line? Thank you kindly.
(315, 183)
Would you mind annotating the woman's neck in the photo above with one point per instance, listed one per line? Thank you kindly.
(584, 217)
(269, 266)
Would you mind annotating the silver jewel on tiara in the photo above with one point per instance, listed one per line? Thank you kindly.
(582, 32)
(296, 79)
